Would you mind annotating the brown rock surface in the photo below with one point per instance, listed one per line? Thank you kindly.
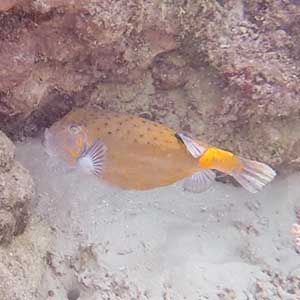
(228, 71)
(7, 153)
(16, 192)
(7, 226)
(21, 259)
(7, 4)
(23, 264)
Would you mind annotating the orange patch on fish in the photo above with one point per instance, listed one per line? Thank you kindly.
(220, 160)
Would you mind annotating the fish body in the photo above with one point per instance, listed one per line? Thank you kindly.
(141, 154)
(136, 153)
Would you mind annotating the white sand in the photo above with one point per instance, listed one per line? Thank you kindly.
(166, 243)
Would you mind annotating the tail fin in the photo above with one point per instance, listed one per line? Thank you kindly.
(254, 175)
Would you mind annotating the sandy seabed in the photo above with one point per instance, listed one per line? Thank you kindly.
(165, 243)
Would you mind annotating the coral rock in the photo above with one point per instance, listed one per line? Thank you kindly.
(7, 152)
(7, 226)
(16, 193)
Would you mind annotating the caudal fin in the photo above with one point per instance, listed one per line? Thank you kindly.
(254, 175)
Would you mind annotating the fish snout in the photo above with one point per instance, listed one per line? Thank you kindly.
(49, 143)
(45, 136)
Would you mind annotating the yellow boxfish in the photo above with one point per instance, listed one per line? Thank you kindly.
(135, 153)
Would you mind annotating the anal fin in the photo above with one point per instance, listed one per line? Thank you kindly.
(200, 181)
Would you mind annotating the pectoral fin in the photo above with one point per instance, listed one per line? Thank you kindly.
(194, 148)
(200, 181)
(92, 160)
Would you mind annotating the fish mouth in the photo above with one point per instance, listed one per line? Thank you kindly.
(48, 143)
(45, 137)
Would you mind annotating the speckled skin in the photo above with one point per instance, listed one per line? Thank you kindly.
(141, 154)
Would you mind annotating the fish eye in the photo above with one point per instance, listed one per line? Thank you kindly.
(74, 129)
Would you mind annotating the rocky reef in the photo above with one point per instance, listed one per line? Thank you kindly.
(21, 259)
(23, 264)
(227, 71)
(16, 192)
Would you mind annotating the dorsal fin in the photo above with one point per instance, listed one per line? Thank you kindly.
(193, 148)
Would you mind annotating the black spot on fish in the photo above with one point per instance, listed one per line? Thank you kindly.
(148, 143)
(135, 140)
(120, 123)
(155, 138)
(105, 124)
(134, 125)
(141, 135)
(118, 129)
(109, 132)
